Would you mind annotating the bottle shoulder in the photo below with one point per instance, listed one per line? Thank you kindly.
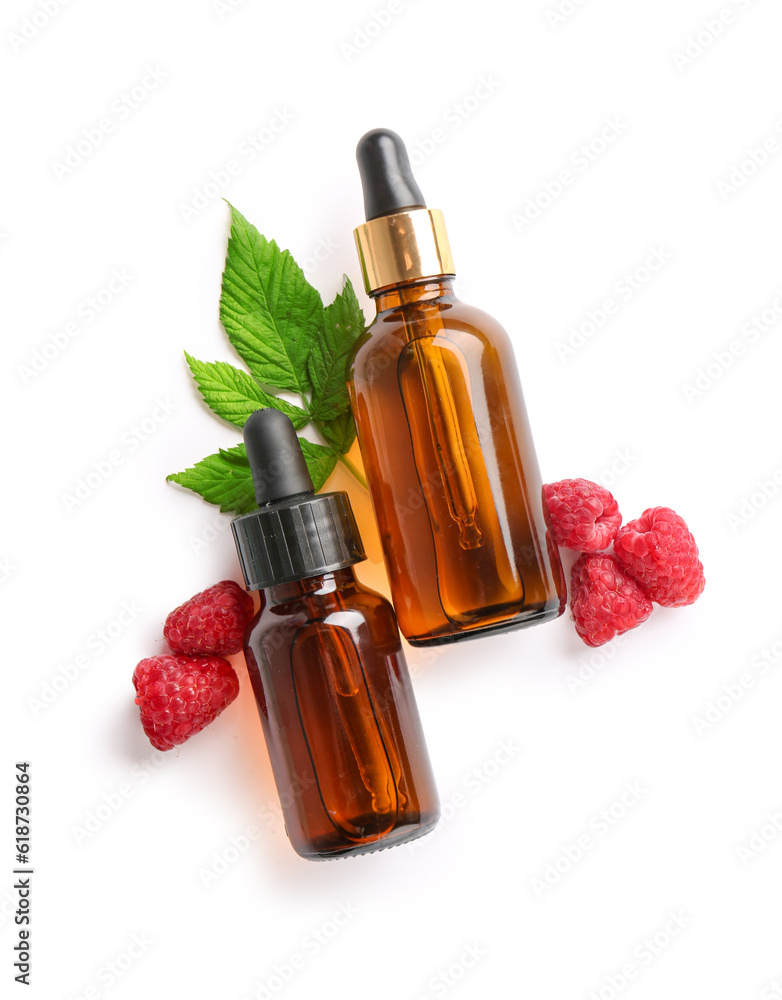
(355, 600)
(367, 617)
(408, 321)
(470, 330)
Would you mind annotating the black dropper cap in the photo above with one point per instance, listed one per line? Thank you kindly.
(386, 174)
(294, 534)
(275, 456)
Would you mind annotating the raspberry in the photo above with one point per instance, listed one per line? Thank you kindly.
(585, 516)
(179, 695)
(659, 551)
(604, 600)
(213, 621)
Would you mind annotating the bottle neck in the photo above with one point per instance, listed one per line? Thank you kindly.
(407, 292)
(405, 246)
(326, 583)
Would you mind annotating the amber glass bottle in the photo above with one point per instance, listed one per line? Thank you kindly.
(326, 664)
(443, 430)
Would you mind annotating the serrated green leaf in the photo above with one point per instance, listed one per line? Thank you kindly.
(276, 322)
(269, 310)
(343, 323)
(223, 479)
(233, 394)
(320, 462)
(236, 456)
(339, 433)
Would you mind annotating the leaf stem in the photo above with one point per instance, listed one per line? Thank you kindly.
(356, 472)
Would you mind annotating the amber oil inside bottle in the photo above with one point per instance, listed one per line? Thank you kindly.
(452, 468)
(339, 717)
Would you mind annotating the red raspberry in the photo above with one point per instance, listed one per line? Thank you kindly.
(604, 600)
(213, 621)
(659, 551)
(179, 695)
(584, 516)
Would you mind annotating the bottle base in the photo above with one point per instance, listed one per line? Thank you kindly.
(526, 619)
(401, 835)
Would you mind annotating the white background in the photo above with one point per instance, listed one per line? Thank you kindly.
(615, 408)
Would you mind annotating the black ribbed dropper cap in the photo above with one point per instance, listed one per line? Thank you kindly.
(294, 533)
(386, 174)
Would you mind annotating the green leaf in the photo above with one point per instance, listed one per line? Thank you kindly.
(276, 322)
(320, 462)
(269, 310)
(233, 394)
(223, 479)
(236, 456)
(343, 324)
(339, 433)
